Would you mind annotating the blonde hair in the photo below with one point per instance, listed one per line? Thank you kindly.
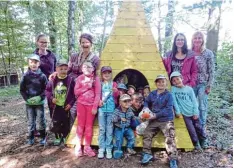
(203, 38)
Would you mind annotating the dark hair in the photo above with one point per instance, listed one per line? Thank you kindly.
(184, 48)
(39, 36)
(87, 36)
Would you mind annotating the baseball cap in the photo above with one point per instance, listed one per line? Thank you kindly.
(62, 62)
(160, 77)
(106, 68)
(122, 86)
(174, 74)
(124, 97)
(34, 57)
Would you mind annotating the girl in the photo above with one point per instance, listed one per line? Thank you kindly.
(205, 63)
(182, 60)
(87, 91)
(107, 106)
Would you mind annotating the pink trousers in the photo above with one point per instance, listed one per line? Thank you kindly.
(85, 120)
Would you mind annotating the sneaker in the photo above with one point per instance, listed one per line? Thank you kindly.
(198, 147)
(89, 152)
(146, 158)
(173, 163)
(57, 141)
(101, 153)
(108, 153)
(131, 151)
(30, 142)
(204, 143)
(43, 141)
(78, 151)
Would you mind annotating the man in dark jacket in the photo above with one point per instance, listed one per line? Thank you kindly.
(60, 96)
(162, 104)
(32, 87)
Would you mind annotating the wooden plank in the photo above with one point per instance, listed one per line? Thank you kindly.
(131, 40)
(120, 22)
(136, 15)
(128, 48)
(133, 56)
(131, 31)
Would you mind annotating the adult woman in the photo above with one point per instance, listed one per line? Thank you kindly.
(76, 61)
(182, 60)
(205, 63)
(47, 57)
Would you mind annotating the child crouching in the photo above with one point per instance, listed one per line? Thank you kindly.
(185, 103)
(60, 95)
(122, 118)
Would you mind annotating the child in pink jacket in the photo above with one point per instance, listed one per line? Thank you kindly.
(87, 91)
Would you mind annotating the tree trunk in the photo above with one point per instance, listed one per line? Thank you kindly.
(159, 28)
(169, 25)
(71, 26)
(104, 28)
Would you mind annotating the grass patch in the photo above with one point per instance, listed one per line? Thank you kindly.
(10, 91)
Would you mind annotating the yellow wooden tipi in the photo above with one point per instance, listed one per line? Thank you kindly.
(131, 46)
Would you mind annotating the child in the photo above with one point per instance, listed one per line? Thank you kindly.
(131, 90)
(87, 91)
(32, 89)
(137, 105)
(140, 90)
(105, 112)
(122, 89)
(146, 91)
(60, 96)
(122, 118)
(185, 103)
(162, 104)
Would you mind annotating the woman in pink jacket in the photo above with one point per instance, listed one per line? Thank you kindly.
(87, 91)
(182, 60)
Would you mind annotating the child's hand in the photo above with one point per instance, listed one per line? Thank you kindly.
(207, 90)
(114, 89)
(179, 116)
(195, 117)
(54, 100)
(100, 103)
(123, 119)
(94, 112)
(68, 107)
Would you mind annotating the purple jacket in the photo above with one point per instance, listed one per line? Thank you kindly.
(47, 62)
(189, 68)
(70, 97)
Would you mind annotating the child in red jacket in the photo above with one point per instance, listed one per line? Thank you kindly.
(87, 91)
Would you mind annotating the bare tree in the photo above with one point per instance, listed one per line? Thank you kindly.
(104, 27)
(71, 26)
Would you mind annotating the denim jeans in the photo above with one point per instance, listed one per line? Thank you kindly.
(34, 112)
(119, 137)
(195, 129)
(202, 97)
(105, 130)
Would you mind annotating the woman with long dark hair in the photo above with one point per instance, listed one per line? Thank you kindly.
(182, 60)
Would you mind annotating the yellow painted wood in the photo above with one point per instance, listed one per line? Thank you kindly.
(132, 46)
(131, 40)
(131, 31)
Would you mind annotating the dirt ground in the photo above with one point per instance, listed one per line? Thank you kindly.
(15, 153)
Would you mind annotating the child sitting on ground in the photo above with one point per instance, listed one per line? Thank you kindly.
(162, 105)
(122, 118)
(32, 89)
(185, 103)
(60, 96)
(105, 112)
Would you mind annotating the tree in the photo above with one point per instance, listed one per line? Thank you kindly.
(71, 26)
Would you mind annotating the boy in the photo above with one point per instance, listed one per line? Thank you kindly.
(162, 119)
(131, 90)
(137, 105)
(32, 89)
(122, 119)
(185, 103)
(60, 95)
(146, 91)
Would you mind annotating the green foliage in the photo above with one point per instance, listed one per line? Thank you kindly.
(9, 92)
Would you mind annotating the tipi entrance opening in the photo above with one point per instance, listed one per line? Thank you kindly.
(131, 77)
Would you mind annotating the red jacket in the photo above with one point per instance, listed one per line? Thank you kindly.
(189, 68)
(88, 92)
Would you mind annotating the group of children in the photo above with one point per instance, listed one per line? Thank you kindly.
(117, 108)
